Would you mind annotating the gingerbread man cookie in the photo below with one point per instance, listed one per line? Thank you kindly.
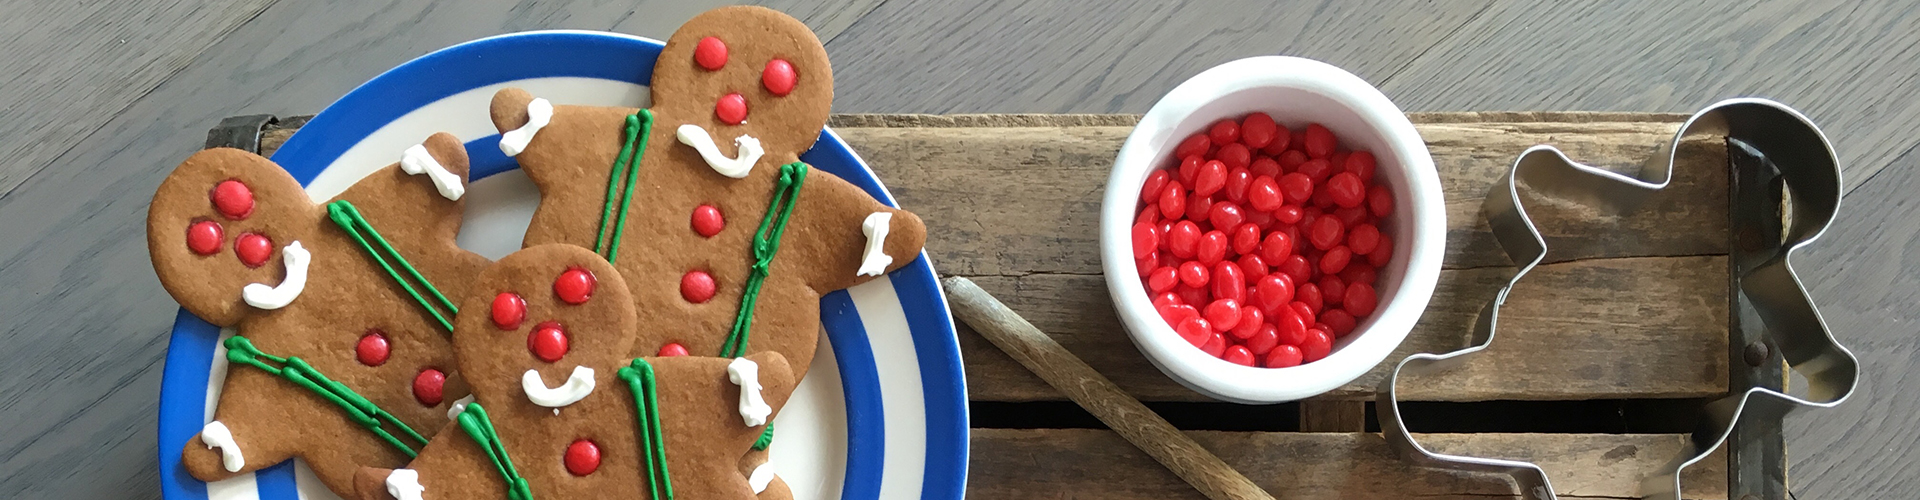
(561, 411)
(341, 352)
(701, 201)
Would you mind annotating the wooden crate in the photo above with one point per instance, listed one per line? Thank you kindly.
(1632, 311)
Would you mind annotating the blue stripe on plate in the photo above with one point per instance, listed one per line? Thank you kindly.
(183, 402)
(276, 480)
(866, 417)
(582, 54)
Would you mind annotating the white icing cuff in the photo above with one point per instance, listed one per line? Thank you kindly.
(577, 387)
(539, 113)
(761, 477)
(876, 260)
(693, 135)
(278, 296)
(746, 374)
(216, 435)
(418, 161)
(404, 484)
(459, 405)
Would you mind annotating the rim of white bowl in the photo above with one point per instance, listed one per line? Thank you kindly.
(1139, 155)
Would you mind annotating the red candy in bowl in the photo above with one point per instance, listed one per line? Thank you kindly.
(1271, 230)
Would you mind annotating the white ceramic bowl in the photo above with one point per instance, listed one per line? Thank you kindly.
(1295, 92)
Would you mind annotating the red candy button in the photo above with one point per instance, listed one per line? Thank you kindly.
(696, 286)
(707, 220)
(731, 109)
(204, 237)
(253, 249)
(779, 77)
(574, 286)
(233, 199)
(671, 350)
(548, 341)
(710, 53)
(509, 310)
(427, 386)
(372, 349)
(583, 457)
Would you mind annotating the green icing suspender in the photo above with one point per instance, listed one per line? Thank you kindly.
(653, 444)
(627, 165)
(359, 409)
(474, 421)
(348, 218)
(766, 242)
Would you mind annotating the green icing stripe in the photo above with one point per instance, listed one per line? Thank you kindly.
(349, 219)
(627, 165)
(474, 421)
(359, 409)
(766, 242)
(653, 443)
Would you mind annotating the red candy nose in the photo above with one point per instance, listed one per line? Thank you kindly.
(731, 109)
(548, 342)
(253, 249)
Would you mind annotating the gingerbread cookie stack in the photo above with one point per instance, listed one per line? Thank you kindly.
(664, 306)
(340, 312)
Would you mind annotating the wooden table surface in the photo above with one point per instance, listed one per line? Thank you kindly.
(101, 98)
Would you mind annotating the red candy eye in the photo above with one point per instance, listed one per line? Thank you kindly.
(574, 286)
(508, 310)
(583, 457)
(372, 349)
(779, 77)
(233, 199)
(697, 286)
(427, 386)
(671, 350)
(732, 109)
(710, 53)
(548, 342)
(204, 237)
(707, 220)
(253, 249)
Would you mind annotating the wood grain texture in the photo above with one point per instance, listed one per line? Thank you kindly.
(1060, 56)
(1667, 56)
(1081, 463)
(1132, 420)
(63, 73)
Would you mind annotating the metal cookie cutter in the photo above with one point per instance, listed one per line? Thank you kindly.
(1797, 156)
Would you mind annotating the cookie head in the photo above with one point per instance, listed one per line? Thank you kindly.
(539, 316)
(747, 71)
(223, 220)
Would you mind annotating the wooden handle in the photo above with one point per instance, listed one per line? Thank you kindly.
(1091, 390)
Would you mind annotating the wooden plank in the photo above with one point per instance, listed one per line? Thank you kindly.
(1598, 322)
(1589, 329)
(1059, 56)
(1848, 65)
(1085, 463)
(1333, 416)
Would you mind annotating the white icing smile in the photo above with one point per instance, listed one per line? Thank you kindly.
(275, 297)
(216, 435)
(539, 114)
(693, 135)
(404, 484)
(876, 260)
(576, 388)
(746, 374)
(761, 477)
(416, 160)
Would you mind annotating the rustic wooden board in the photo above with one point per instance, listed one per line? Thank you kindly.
(1087, 463)
(1628, 307)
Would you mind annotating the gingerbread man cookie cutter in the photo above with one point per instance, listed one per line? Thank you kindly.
(1798, 159)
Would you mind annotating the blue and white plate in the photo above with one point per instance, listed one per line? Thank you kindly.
(883, 412)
